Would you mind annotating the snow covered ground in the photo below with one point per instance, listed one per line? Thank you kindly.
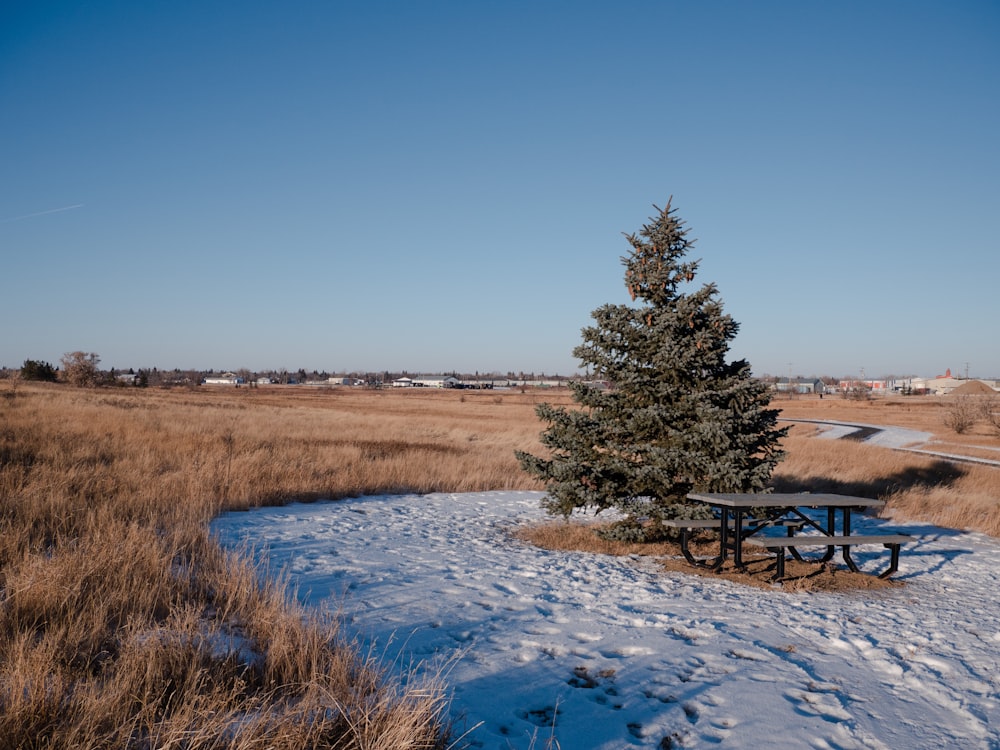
(607, 653)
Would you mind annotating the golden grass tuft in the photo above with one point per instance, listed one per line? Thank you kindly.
(576, 536)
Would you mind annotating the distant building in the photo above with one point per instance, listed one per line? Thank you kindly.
(437, 381)
(877, 387)
(227, 379)
(799, 385)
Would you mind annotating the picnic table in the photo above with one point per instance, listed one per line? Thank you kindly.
(735, 525)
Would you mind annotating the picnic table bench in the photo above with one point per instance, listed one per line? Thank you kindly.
(891, 542)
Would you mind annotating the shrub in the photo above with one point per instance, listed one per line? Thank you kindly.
(80, 368)
(37, 370)
(961, 415)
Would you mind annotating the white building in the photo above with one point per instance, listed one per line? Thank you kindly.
(438, 381)
(227, 379)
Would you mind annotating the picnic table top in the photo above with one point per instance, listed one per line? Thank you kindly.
(744, 500)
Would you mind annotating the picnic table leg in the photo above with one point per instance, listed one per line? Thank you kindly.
(723, 539)
(738, 539)
(684, 548)
(847, 558)
(893, 561)
(831, 529)
(847, 548)
(686, 551)
(795, 553)
(779, 565)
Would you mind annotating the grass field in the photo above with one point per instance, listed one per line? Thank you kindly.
(122, 624)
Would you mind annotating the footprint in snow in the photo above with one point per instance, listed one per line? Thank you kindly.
(540, 717)
(620, 652)
(742, 653)
(823, 705)
(542, 630)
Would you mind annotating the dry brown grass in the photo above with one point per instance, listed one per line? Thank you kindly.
(122, 625)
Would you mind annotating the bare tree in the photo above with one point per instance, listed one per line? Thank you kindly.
(15, 378)
(962, 414)
(991, 412)
(858, 392)
(80, 368)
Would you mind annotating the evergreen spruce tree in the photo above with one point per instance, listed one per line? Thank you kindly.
(677, 417)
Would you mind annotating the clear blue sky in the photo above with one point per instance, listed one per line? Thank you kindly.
(437, 186)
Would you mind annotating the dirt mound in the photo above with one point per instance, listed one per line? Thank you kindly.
(973, 388)
(799, 576)
(758, 570)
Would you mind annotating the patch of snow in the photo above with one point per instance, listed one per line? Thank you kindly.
(607, 653)
(897, 437)
(882, 435)
(832, 431)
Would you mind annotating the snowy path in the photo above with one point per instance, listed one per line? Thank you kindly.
(897, 438)
(882, 435)
(625, 655)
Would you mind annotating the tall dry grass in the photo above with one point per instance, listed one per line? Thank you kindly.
(123, 625)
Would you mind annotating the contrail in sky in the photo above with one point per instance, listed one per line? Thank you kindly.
(41, 213)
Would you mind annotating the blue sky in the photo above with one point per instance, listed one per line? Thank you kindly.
(438, 186)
